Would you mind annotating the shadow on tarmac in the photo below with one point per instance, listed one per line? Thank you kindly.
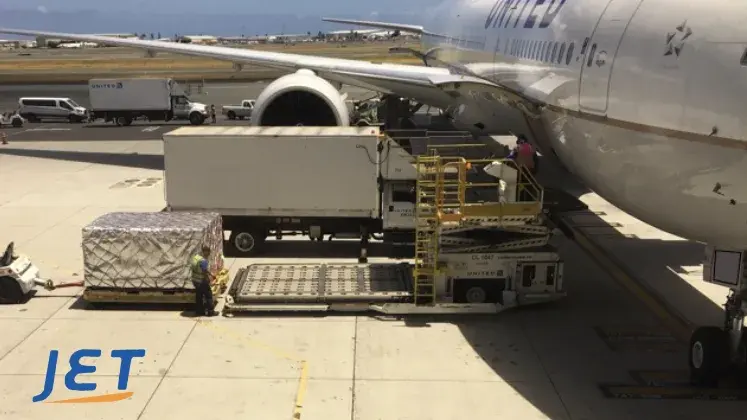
(127, 160)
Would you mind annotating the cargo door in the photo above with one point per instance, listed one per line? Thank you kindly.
(596, 68)
(725, 268)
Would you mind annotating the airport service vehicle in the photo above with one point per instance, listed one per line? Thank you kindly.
(19, 276)
(346, 182)
(36, 109)
(602, 85)
(239, 111)
(11, 120)
(157, 99)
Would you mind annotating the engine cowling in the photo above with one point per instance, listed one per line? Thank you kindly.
(301, 98)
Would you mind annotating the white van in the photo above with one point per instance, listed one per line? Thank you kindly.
(37, 109)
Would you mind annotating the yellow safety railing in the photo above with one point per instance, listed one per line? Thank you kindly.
(453, 187)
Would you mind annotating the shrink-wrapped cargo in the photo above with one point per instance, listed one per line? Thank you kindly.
(148, 250)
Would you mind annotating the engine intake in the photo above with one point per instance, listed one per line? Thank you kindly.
(301, 98)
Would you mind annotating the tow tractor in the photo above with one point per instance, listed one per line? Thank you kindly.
(18, 276)
(471, 255)
(11, 120)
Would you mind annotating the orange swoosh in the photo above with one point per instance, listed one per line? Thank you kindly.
(119, 396)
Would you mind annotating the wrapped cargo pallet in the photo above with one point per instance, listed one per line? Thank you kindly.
(148, 250)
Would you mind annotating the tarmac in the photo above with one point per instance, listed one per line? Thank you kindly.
(608, 351)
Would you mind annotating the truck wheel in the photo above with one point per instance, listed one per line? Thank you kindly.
(17, 122)
(196, 118)
(709, 355)
(231, 115)
(246, 243)
(124, 121)
(10, 291)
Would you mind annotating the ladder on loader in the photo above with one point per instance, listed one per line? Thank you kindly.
(441, 210)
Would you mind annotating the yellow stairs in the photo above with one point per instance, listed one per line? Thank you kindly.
(439, 191)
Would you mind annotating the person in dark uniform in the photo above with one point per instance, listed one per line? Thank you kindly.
(201, 279)
(212, 113)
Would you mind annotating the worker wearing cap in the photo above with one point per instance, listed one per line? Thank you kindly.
(201, 279)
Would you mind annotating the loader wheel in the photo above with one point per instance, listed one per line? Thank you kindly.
(10, 291)
(476, 294)
(17, 122)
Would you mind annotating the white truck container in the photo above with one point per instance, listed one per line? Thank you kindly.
(288, 180)
(157, 99)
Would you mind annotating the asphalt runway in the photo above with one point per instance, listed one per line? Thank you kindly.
(217, 94)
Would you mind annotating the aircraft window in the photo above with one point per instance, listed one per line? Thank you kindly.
(591, 55)
(743, 61)
(548, 51)
(583, 47)
(561, 52)
(554, 52)
(569, 54)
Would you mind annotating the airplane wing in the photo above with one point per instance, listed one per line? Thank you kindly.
(415, 29)
(433, 86)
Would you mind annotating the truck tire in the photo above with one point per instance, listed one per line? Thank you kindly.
(17, 122)
(124, 121)
(196, 118)
(231, 115)
(246, 243)
(10, 291)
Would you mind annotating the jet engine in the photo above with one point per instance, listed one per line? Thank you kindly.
(301, 98)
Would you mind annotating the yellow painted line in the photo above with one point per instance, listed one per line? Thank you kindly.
(304, 366)
(676, 323)
(301, 392)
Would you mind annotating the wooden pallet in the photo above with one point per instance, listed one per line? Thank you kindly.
(152, 295)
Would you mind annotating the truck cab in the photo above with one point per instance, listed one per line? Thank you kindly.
(183, 108)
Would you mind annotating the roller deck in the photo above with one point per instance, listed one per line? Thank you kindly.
(322, 283)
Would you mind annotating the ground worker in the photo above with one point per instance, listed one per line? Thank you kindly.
(212, 113)
(201, 279)
(524, 154)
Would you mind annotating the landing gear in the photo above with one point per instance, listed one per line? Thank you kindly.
(716, 352)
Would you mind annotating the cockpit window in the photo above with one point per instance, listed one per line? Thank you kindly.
(743, 61)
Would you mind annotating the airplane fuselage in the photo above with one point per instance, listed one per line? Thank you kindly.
(644, 98)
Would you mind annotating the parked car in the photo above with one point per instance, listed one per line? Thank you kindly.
(239, 111)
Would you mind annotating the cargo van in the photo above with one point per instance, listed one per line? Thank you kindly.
(38, 109)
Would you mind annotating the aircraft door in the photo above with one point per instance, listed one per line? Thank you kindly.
(596, 68)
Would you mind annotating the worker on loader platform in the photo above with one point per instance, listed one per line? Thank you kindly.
(201, 279)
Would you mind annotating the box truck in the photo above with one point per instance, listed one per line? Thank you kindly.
(345, 182)
(157, 99)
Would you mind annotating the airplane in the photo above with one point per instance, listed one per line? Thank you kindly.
(641, 99)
